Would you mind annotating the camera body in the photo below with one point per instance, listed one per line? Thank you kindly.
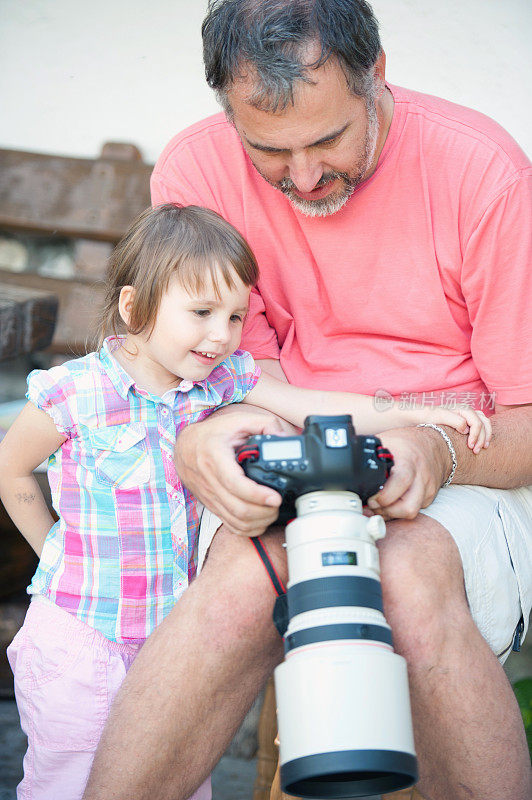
(327, 456)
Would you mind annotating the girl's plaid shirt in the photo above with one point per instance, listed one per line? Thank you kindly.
(123, 549)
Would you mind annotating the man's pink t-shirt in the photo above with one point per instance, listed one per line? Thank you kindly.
(420, 284)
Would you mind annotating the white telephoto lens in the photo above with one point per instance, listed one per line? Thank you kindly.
(343, 703)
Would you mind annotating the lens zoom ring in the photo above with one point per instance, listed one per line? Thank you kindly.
(329, 633)
(342, 590)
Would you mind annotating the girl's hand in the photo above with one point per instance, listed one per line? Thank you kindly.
(465, 420)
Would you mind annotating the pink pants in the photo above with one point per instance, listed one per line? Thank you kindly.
(66, 677)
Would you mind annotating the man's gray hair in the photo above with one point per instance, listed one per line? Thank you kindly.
(273, 37)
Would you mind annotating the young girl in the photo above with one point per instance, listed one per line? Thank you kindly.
(121, 553)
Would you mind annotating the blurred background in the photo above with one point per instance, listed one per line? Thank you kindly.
(75, 74)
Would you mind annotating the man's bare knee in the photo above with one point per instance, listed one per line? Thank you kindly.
(238, 595)
(423, 588)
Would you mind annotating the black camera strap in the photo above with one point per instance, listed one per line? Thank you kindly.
(264, 556)
(280, 609)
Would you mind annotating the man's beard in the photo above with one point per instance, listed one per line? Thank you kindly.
(336, 200)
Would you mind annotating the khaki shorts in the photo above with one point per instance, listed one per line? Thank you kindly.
(492, 529)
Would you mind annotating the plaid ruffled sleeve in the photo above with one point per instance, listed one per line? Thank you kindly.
(235, 377)
(52, 391)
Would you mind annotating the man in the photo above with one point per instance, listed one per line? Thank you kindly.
(393, 232)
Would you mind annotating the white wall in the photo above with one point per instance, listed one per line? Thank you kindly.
(75, 73)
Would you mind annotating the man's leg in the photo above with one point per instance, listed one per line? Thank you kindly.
(468, 731)
(199, 672)
(194, 679)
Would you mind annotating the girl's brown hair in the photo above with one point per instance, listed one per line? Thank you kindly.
(190, 242)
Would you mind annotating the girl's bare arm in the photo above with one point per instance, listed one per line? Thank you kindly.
(29, 441)
(294, 404)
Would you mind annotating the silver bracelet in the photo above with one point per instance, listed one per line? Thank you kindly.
(452, 451)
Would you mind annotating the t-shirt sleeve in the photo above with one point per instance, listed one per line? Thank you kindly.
(497, 286)
(180, 177)
(179, 190)
(49, 391)
(258, 336)
(235, 377)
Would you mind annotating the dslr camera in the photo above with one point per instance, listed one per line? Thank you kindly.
(343, 702)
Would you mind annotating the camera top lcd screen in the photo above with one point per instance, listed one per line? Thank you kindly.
(286, 450)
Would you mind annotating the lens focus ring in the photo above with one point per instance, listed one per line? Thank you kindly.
(341, 590)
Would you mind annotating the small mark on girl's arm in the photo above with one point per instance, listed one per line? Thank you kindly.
(25, 497)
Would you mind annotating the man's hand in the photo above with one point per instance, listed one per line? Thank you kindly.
(423, 463)
(421, 466)
(206, 464)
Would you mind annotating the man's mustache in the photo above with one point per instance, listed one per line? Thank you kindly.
(287, 184)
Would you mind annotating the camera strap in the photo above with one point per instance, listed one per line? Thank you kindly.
(280, 609)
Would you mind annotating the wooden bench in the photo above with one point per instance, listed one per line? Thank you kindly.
(83, 206)
(27, 320)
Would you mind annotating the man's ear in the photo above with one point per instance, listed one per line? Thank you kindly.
(379, 76)
(125, 303)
